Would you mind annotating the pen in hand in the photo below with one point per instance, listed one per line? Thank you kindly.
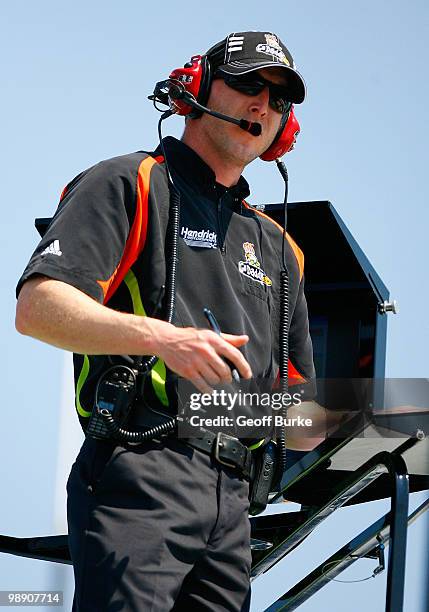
(216, 328)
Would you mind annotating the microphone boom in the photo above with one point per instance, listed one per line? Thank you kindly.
(178, 92)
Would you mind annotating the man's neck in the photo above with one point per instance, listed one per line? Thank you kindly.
(227, 174)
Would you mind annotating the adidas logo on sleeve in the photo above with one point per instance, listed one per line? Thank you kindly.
(53, 249)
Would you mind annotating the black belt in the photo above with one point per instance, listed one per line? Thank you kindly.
(224, 449)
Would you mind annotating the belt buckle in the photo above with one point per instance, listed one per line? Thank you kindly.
(218, 445)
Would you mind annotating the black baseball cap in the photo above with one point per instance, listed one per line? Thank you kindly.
(243, 52)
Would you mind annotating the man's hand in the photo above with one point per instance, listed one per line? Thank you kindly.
(61, 315)
(198, 354)
(323, 422)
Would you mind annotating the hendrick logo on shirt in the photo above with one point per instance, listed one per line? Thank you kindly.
(251, 267)
(205, 239)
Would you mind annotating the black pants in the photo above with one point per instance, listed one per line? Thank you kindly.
(157, 527)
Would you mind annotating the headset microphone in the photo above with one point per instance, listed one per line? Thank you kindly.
(187, 89)
(177, 91)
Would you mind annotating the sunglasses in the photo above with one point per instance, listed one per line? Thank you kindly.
(253, 84)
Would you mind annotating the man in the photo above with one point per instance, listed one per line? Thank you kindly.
(163, 525)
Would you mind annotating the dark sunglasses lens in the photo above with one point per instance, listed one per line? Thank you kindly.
(279, 104)
(279, 98)
(245, 86)
(252, 86)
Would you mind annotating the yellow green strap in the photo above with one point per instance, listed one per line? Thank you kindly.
(80, 382)
(256, 445)
(158, 372)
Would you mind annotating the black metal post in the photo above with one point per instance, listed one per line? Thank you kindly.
(398, 534)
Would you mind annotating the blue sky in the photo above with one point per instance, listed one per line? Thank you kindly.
(75, 77)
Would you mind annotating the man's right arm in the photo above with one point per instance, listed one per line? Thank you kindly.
(58, 313)
(61, 293)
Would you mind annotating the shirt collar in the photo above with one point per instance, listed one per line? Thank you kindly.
(194, 170)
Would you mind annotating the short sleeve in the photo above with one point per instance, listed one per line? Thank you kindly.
(85, 240)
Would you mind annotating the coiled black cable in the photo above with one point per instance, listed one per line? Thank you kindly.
(284, 326)
(134, 437)
(143, 366)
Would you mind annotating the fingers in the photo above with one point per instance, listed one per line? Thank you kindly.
(214, 350)
(215, 371)
(236, 358)
(236, 340)
(211, 373)
(199, 355)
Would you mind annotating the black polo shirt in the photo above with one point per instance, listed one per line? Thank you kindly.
(107, 239)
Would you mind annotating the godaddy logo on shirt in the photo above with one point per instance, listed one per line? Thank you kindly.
(251, 267)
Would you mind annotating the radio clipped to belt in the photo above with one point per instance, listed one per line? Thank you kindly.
(114, 395)
(266, 474)
(114, 398)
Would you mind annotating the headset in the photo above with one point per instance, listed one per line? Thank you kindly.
(186, 92)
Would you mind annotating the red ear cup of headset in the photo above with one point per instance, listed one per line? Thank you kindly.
(285, 139)
(195, 78)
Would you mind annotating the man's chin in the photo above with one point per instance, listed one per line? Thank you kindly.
(251, 146)
(240, 146)
(248, 152)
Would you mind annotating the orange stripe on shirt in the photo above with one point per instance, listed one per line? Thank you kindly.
(294, 377)
(137, 235)
(63, 193)
(295, 248)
